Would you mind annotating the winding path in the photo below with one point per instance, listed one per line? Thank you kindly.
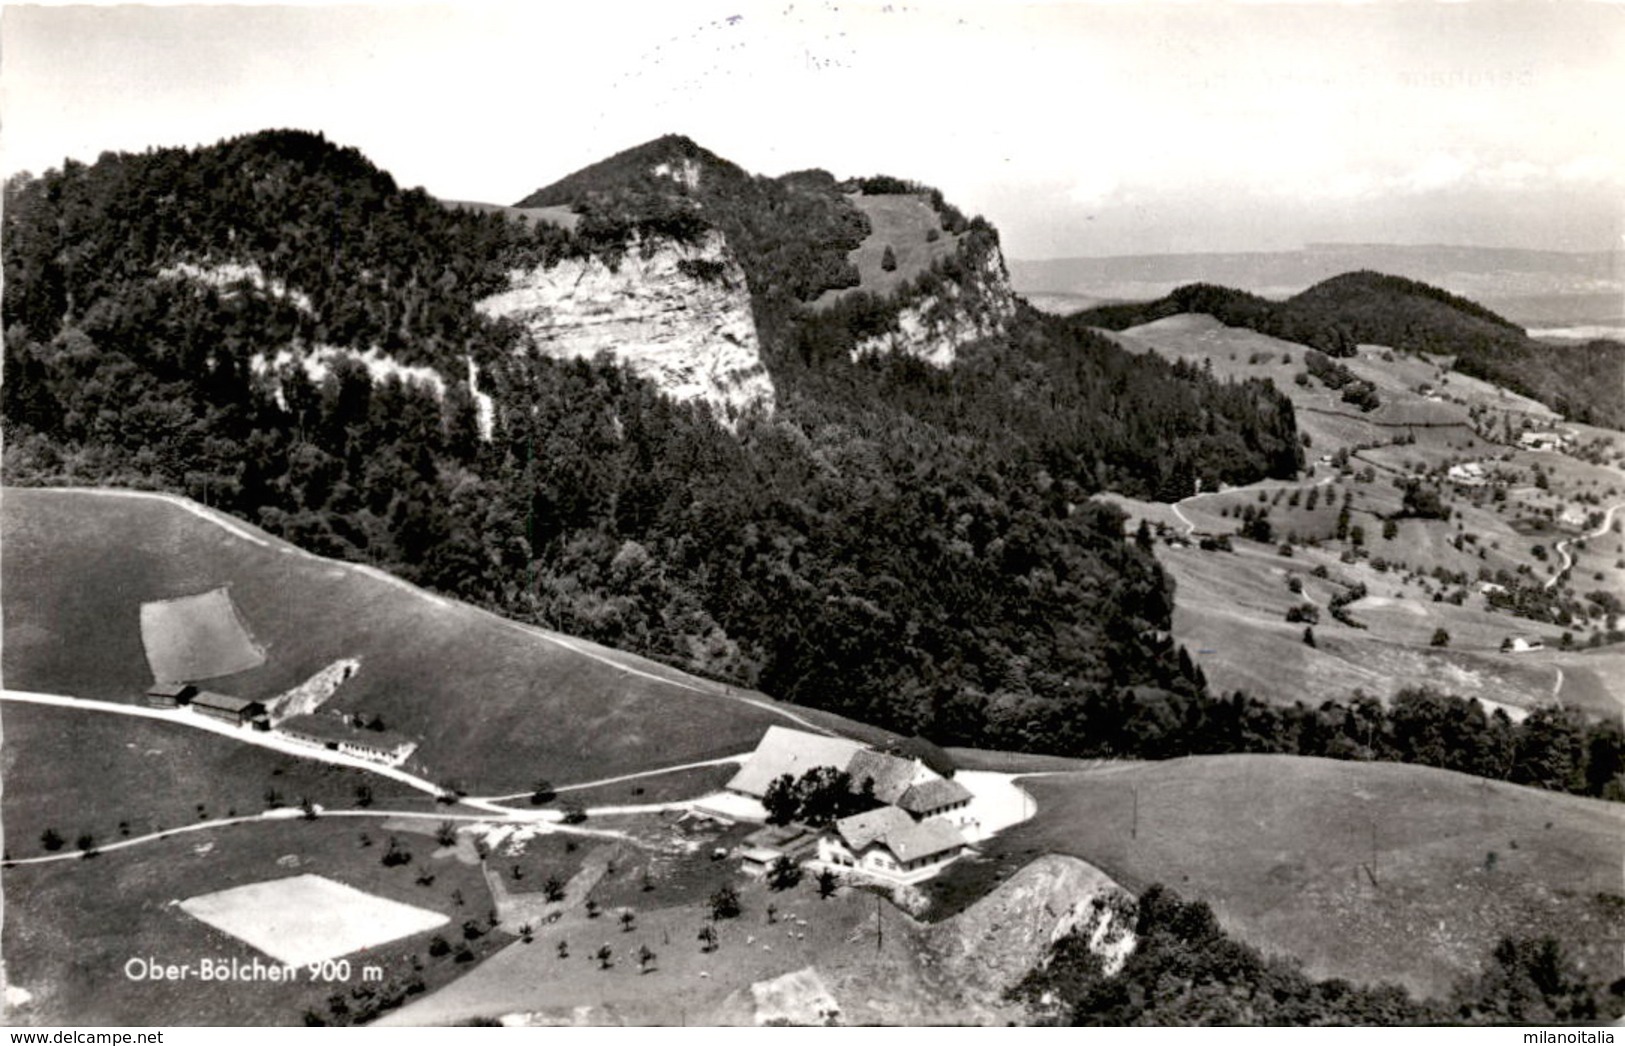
(1563, 546)
(1266, 485)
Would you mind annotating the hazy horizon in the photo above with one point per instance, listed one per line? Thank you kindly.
(1080, 130)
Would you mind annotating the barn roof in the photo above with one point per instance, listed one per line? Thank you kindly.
(891, 775)
(933, 795)
(223, 702)
(170, 689)
(794, 752)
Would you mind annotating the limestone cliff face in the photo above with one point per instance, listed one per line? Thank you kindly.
(935, 327)
(675, 314)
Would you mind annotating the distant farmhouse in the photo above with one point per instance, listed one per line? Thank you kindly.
(1543, 440)
(912, 835)
(335, 734)
(1469, 475)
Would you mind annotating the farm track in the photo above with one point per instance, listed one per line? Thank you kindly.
(578, 786)
(241, 734)
(1367, 420)
(292, 814)
(491, 807)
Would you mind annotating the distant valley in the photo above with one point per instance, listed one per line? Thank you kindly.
(1536, 289)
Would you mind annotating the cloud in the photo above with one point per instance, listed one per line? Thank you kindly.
(1093, 189)
(1438, 171)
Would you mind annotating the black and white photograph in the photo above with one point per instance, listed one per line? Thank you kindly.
(746, 514)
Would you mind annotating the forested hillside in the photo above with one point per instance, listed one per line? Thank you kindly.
(1585, 382)
(911, 545)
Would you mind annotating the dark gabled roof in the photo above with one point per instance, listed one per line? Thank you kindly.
(224, 702)
(891, 775)
(917, 747)
(933, 795)
(170, 689)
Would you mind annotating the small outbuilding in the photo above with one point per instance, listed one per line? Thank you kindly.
(756, 860)
(238, 711)
(170, 695)
(333, 733)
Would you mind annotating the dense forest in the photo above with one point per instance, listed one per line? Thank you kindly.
(1555, 748)
(916, 547)
(1585, 382)
(1185, 970)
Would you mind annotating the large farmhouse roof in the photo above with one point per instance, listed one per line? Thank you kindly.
(860, 830)
(891, 775)
(897, 832)
(933, 795)
(793, 752)
(925, 839)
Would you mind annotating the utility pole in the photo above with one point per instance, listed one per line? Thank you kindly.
(880, 932)
(1134, 831)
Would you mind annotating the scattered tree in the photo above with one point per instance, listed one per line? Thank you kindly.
(783, 874)
(725, 903)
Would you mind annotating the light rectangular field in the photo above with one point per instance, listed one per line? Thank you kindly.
(307, 918)
(197, 637)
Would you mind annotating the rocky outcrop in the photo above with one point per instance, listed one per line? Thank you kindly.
(934, 328)
(230, 277)
(674, 314)
(993, 944)
(317, 362)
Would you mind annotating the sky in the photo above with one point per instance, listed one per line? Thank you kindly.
(1079, 129)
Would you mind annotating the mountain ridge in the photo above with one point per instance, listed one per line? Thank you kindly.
(1586, 382)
